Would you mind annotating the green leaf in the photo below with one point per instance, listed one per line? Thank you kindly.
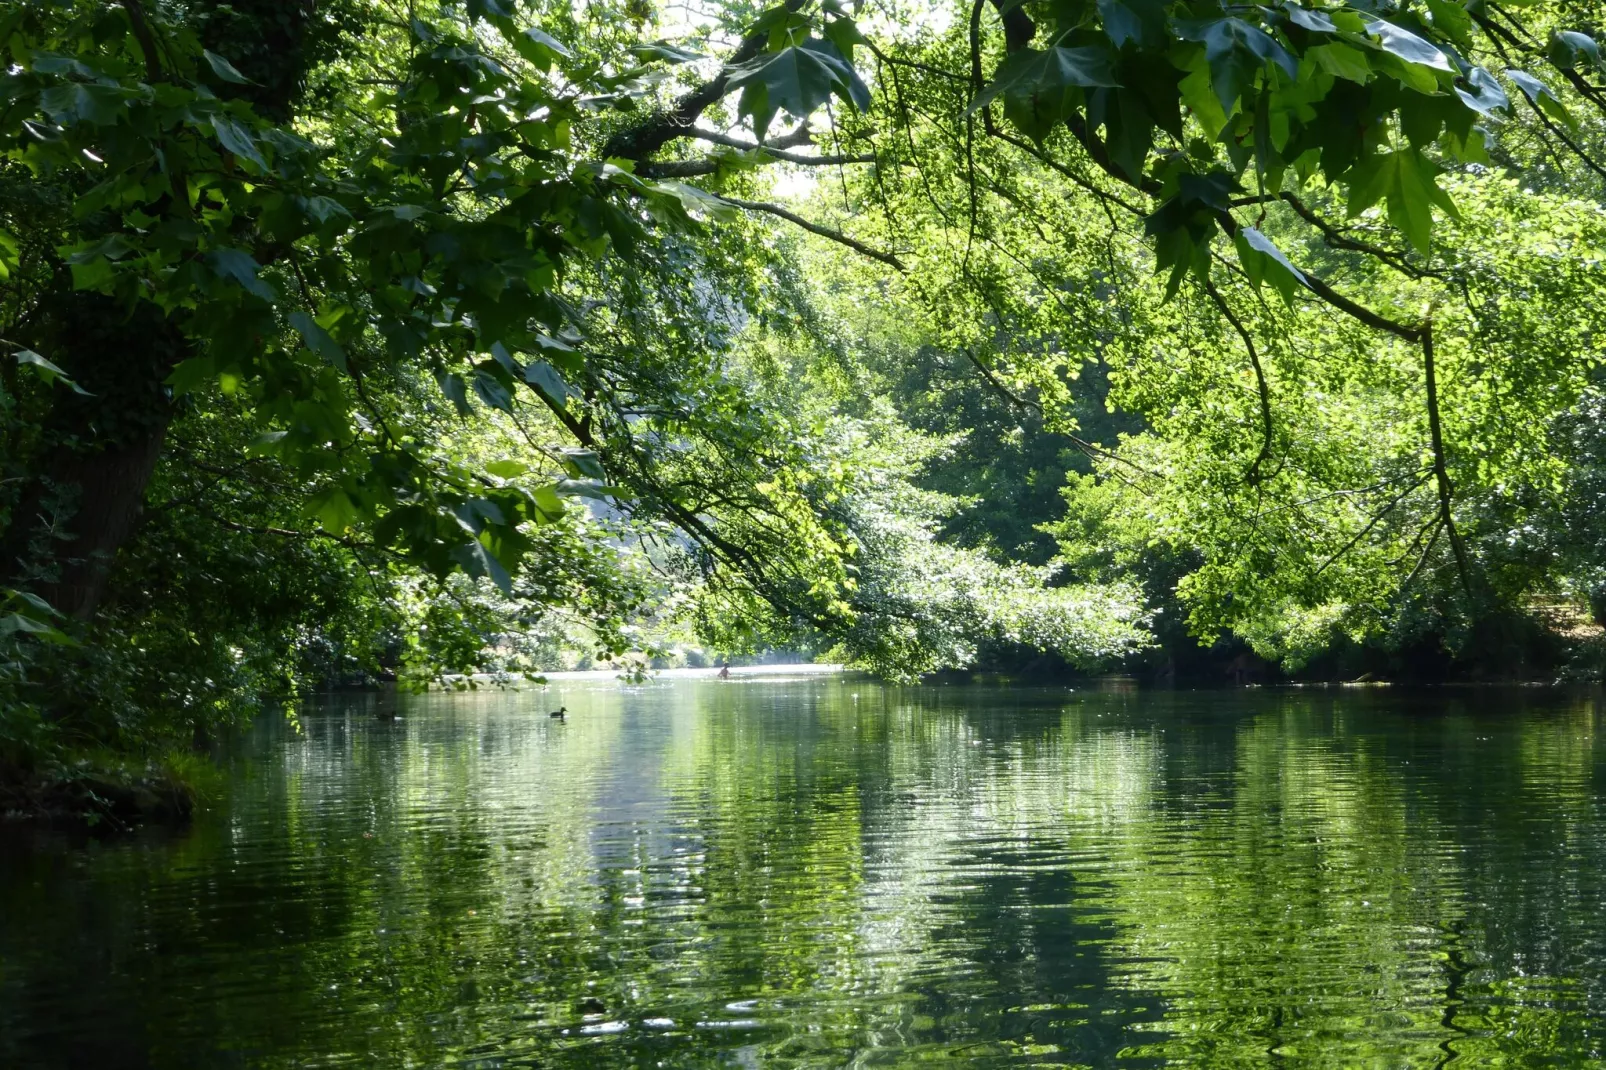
(112, 247)
(224, 69)
(476, 560)
(1485, 94)
(1411, 75)
(1407, 45)
(500, 354)
(1141, 22)
(1263, 261)
(1406, 180)
(492, 391)
(323, 209)
(318, 340)
(1342, 61)
(549, 503)
(238, 266)
(49, 611)
(1037, 85)
(1452, 20)
(99, 105)
(1053, 68)
(1213, 189)
(234, 137)
(693, 199)
(852, 87)
(10, 254)
(546, 341)
(192, 374)
(583, 462)
(477, 514)
(1568, 48)
(334, 510)
(798, 79)
(1541, 96)
(19, 624)
(1129, 129)
(1235, 52)
(456, 392)
(52, 63)
(665, 51)
(1314, 21)
(589, 488)
(539, 47)
(845, 34)
(545, 378)
(269, 444)
(48, 371)
(1199, 96)
(490, 9)
(507, 469)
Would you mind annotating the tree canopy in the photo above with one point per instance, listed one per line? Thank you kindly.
(354, 334)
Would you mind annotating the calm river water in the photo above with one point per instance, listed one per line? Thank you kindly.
(827, 872)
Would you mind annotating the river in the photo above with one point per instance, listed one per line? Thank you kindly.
(827, 872)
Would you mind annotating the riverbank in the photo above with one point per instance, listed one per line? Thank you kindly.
(103, 793)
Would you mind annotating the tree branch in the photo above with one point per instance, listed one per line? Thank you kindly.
(641, 141)
(815, 228)
(801, 136)
(695, 168)
(147, 41)
(289, 533)
(1340, 240)
(1440, 470)
(1321, 289)
(1253, 476)
(1377, 519)
(1013, 398)
(1561, 135)
(1438, 527)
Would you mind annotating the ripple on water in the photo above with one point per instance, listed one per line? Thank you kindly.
(818, 872)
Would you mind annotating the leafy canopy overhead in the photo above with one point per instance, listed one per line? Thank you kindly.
(510, 224)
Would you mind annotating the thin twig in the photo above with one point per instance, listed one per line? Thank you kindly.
(1440, 469)
(1387, 509)
(1253, 476)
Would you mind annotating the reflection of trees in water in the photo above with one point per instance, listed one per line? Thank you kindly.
(901, 873)
(1332, 895)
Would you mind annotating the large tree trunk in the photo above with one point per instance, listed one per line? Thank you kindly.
(95, 452)
(110, 495)
(94, 455)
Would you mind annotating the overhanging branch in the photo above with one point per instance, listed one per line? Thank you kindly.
(711, 165)
(643, 140)
(815, 228)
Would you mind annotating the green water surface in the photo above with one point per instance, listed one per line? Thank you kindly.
(825, 872)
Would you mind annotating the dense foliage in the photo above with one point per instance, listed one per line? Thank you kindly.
(353, 337)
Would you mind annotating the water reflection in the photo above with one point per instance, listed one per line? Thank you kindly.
(827, 873)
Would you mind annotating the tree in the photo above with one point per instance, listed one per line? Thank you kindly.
(1357, 160)
(305, 332)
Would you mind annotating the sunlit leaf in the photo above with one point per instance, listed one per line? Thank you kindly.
(1407, 45)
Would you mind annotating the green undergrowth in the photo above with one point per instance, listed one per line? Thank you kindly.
(106, 790)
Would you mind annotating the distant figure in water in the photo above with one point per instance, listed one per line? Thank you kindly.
(559, 714)
(385, 715)
(724, 672)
